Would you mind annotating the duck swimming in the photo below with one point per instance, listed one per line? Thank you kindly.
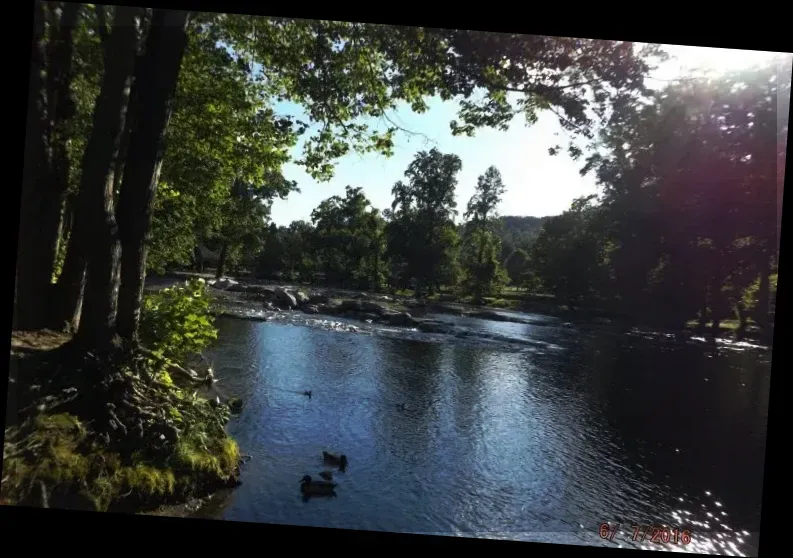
(337, 461)
(308, 486)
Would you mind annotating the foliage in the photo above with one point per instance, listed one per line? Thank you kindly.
(176, 321)
(685, 224)
(517, 266)
(482, 250)
(567, 255)
(422, 239)
(222, 133)
(518, 233)
(343, 72)
(484, 274)
(349, 240)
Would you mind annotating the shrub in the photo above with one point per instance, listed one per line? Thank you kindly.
(176, 321)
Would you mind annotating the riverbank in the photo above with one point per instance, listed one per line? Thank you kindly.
(123, 431)
(235, 298)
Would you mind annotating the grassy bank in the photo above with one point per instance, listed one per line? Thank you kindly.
(123, 430)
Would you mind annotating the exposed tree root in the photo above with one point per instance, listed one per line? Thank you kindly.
(121, 430)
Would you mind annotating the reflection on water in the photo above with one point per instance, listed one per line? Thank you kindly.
(545, 443)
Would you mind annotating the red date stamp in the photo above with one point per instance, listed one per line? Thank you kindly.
(648, 533)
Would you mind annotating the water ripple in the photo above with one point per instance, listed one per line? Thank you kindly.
(457, 435)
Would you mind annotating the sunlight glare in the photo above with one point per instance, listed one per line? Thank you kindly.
(687, 60)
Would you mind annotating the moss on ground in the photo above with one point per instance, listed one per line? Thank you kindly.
(121, 436)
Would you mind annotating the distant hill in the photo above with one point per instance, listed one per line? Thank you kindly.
(519, 232)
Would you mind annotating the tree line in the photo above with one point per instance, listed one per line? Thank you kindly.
(149, 129)
(685, 226)
(416, 244)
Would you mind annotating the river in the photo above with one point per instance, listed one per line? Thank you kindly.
(536, 432)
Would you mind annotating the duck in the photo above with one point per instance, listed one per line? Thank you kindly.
(308, 486)
(327, 475)
(307, 393)
(337, 461)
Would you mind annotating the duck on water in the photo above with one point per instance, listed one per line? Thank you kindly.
(310, 487)
(339, 461)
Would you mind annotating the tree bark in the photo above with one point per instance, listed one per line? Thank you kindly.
(67, 293)
(61, 108)
(221, 269)
(198, 259)
(156, 82)
(44, 186)
(30, 272)
(98, 321)
(742, 321)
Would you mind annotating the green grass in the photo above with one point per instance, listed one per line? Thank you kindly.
(56, 453)
(731, 325)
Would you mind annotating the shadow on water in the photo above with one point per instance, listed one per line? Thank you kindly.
(545, 443)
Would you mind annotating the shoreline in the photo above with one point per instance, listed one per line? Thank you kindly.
(359, 306)
(57, 411)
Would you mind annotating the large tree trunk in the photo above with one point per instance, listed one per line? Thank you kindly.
(31, 278)
(44, 186)
(221, 268)
(42, 208)
(98, 321)
(67, 293)
(198, 259)
(156, 85)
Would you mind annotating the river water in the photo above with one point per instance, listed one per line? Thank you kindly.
(536, 432)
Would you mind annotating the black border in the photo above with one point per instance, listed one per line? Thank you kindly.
(62, 529)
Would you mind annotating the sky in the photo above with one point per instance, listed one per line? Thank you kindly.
(537, 183)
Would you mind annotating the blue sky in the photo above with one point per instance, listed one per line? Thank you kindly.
(536, 183)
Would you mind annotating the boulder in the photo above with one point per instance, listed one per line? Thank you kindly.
(329, 308)
(400, 319)
(284, 299)
(350, 306)
(301, 298)
(223, 283)
(372, 307)
(318, 298)
(261, 289)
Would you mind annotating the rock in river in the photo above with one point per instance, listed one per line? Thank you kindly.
(284, 298)
(400, 319)
(301, 298)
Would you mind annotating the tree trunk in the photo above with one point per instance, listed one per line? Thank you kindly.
(198, 259)
(156, 84)
(44, 185)
(31, 269)
(98, 321)
(62, 109)
(742, 321)
(222, 260)
(67, 293)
